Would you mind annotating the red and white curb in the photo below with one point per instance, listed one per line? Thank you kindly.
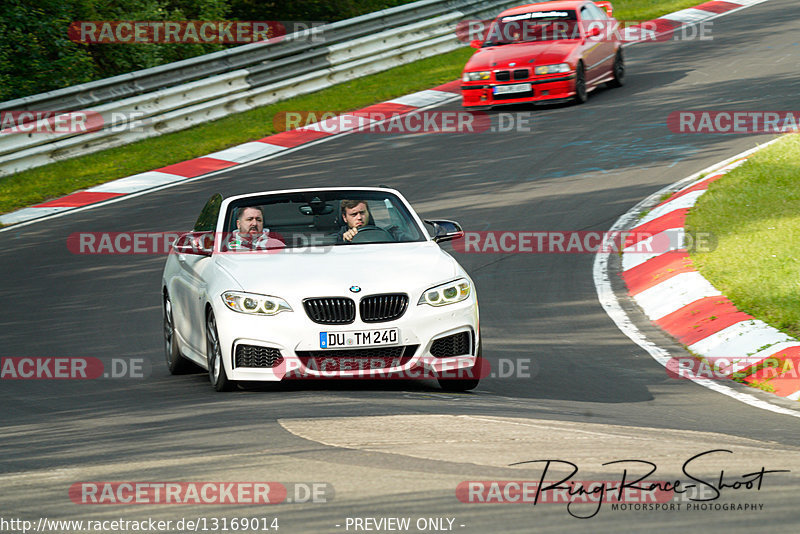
(672, 22)
(680, 301)
(239, 155)
(283, 142)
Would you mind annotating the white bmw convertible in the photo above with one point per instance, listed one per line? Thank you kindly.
(319, 283)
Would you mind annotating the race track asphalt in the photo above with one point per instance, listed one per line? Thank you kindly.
(401, 448)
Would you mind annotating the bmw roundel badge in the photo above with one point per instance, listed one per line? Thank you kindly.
(355, 289)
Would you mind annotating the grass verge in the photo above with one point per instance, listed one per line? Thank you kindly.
(754, 212)
(648, 9)
(61, 178)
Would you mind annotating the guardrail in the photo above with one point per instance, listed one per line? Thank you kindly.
(179, 95)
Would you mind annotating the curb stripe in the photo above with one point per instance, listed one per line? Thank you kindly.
(673, 294)
(702, 318)
(657, 270)
(680, 301)
(747, 337)
(672, 219)
(718, 6)
(80, 198)
(196, 167)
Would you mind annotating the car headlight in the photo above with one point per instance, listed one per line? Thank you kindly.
(254, 304)
(445, 294)
(475, 76)
(552, 69)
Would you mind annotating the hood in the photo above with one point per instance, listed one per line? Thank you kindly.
(541, 52)
(331, 271)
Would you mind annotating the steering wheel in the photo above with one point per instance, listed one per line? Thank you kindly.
(369, 233)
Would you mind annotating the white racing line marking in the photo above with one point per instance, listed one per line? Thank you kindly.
(610, 303)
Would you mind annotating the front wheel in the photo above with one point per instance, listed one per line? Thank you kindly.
(580, 85)
(618, 70)
(216, 369)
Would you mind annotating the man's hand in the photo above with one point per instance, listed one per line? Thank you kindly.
(350, 234)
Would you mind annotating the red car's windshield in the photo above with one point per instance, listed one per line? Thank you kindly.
(534, 26)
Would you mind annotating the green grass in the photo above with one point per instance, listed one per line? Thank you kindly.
(61, 178)
(648, 9)
(754, 212)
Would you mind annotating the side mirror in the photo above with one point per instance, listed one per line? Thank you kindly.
(594, 32)
(197, 243)
(445, 230)
(609, 8)
(475, 43)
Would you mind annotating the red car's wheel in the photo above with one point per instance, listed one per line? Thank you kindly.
(618, 70)
(580, 85)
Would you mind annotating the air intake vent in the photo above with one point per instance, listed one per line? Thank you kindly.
(455, 345)
(255, 356)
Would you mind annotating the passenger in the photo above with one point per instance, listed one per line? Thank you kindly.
(250, 233)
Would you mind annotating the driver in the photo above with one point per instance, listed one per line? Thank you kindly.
(250, 233)
(355, 214)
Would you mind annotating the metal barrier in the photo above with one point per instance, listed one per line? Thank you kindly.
(180, 95)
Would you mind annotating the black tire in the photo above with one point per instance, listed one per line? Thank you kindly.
(456, 385)
(216, 369)
(176, 363)
(581, 95)
(618, 70)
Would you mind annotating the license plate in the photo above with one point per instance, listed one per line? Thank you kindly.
(516, 88)
(359, 338)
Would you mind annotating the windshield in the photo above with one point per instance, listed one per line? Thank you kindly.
(319, 218)
(534, 26)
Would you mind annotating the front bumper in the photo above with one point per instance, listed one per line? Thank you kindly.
(477, 94)
(297, 337)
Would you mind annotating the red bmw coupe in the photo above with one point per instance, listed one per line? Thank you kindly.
(548, 51)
